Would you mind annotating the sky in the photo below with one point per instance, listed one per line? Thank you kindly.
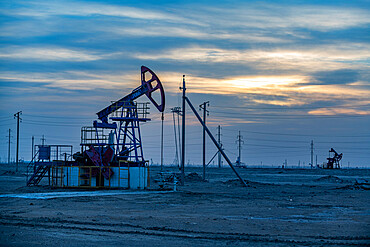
(283, 73)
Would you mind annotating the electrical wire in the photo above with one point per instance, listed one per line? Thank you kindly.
(286, 134)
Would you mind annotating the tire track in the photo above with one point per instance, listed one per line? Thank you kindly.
(130, 229)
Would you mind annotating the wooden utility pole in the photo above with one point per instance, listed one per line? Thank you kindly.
(17, 116)
(183, 132)
(33, 143)
(9, 136)
(205, 113)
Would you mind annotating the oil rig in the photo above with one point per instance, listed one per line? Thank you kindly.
(111, 150)
(333, 162)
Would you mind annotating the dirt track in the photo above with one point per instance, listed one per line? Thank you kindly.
(279, 208)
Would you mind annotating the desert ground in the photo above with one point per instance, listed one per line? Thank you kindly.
(280, 207)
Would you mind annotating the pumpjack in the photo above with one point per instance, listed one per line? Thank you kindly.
(123, 143)
(112, 143)
(333, 162)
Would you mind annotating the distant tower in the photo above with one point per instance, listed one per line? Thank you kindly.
(240, 142)
(311, 154)
(43, 140)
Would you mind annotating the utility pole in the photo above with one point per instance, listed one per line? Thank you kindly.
(205, 113)
(316, 161)
(219, 143)
(33, 143)
(17, 115)
(183, 132)
(9, 136)
(311, 154)
(162, 143)
(240, 142)
(43, 140)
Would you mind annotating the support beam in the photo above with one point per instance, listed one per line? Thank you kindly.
(219, 143)
(215, 142)
(174, 129)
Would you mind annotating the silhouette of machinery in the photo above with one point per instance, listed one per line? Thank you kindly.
(333, 162)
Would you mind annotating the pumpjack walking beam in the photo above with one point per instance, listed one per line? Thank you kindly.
(146, 88)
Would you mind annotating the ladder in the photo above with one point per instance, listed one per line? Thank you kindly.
(124, 174)
(39, 173)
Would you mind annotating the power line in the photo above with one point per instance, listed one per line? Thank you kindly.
(48, 124)
(286, 134)
(287, 116)
(285, 107)
(56, 117)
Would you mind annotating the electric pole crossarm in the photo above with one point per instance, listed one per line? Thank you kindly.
(215, 142)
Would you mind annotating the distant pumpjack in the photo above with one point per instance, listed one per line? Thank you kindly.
(333, 162)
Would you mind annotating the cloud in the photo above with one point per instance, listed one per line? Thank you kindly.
(281, 16)
(275, 90)
(76, 80)
(324, 18)
(252, 22)
(336, 111)
(49, 54)
(344, 76)
(331, 57)
(44, 9)
(195, 33)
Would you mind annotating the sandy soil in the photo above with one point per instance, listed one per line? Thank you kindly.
(279, 208)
